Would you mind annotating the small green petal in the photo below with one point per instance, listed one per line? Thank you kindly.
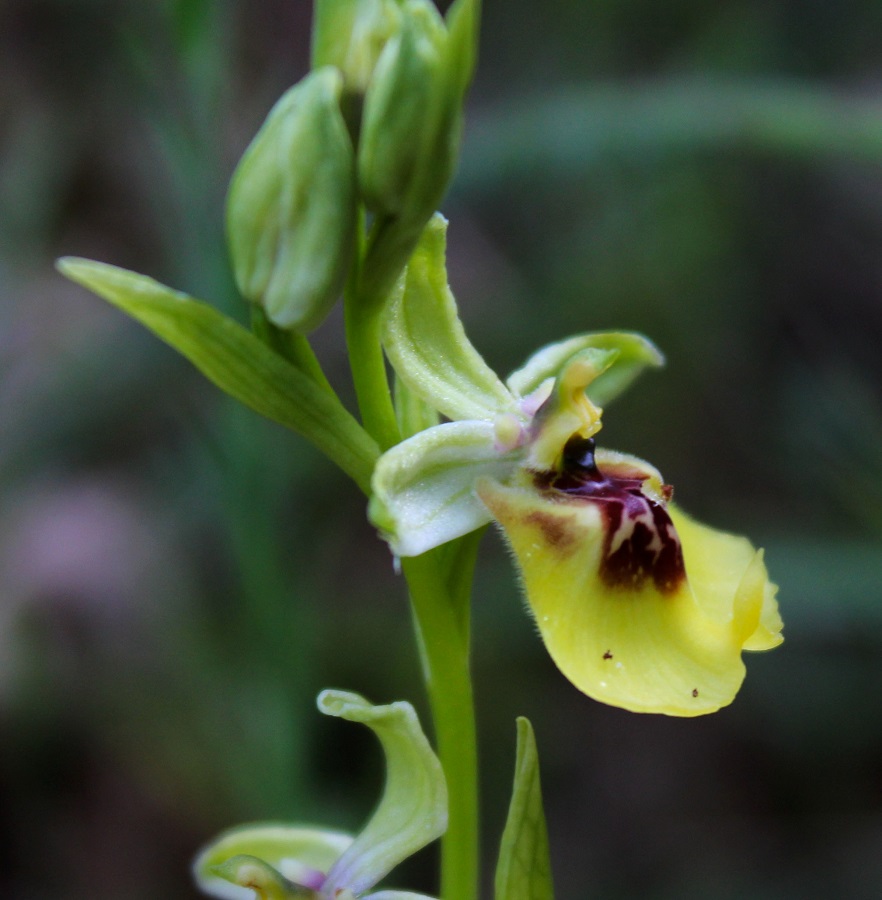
(635, 353)
(423, 492)
(524, 868)
(293, 851)
(235, 360)
(413, 809)
(427, 345)
(642, 644)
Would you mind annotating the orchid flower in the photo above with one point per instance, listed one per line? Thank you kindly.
(640, 606)
(271, 861)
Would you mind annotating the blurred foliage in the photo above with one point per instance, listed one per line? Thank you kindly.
(178, 580)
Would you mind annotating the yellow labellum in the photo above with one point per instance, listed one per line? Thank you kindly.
(604, 579)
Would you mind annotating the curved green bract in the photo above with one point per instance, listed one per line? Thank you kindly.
(236, 361)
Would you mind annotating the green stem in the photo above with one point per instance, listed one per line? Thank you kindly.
(363, 315)
(440, 607)
(440, 586)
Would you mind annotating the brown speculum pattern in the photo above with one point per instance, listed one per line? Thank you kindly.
(640, 541)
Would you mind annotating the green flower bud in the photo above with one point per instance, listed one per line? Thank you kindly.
(402, 151)
(410, 129)
(350, 34)
(291, 209)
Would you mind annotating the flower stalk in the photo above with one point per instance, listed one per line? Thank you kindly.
(442, 622)
(439, 588)
(363, 320)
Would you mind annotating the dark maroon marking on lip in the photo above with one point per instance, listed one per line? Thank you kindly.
(620, 497)
(607, 655)
(694, 692)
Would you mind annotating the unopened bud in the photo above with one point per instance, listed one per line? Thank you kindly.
(404, 112)
(351, 34)
(409, 139)
(291, 206)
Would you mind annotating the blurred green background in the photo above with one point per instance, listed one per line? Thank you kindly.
(179, 579)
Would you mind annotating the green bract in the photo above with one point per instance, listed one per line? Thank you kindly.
(523, 871)
(282, 862)
(291, 208)
(236, 361)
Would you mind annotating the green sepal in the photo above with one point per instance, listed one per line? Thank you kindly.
(423, 488)
(413, 809)
(291, 207)
(350, 35)
(427, 344)
(635, 353)
(236, 361)
(295, 854)
(523, 871)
